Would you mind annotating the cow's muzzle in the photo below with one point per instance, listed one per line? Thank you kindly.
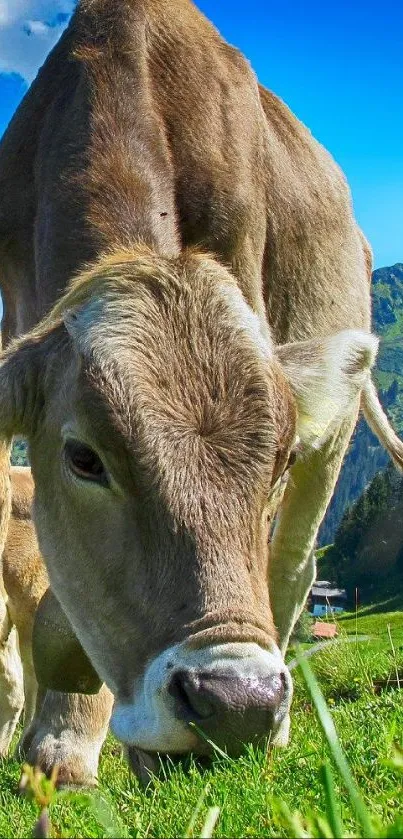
(229, 709)
(190, 700)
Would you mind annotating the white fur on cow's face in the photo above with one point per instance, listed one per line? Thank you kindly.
(149, 722)
(246, 319)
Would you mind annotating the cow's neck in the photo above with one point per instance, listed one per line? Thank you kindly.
(128, 176)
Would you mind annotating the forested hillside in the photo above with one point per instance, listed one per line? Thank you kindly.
(366, 457)
(368, 549)
(19, 454)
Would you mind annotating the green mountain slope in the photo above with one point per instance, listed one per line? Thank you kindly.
(366, 457)
(387, 296)
(368, 549)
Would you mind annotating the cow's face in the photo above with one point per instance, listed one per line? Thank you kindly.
(161, 424)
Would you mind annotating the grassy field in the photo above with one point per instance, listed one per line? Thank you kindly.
(258, 793)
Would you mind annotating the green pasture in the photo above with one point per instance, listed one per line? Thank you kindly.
(313, 788)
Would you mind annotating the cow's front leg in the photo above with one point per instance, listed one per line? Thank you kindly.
(68, 731)
(292, 560)
(11, 679)
(292, 565)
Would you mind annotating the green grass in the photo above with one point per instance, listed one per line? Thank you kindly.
(259, 794)
(371, 622)
(347, 670)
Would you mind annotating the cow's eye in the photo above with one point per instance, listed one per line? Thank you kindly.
(85, 463)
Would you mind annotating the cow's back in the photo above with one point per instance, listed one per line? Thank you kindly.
(145, 124)
(317, 263)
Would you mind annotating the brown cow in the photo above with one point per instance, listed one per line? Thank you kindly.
(67, 729)
(167, 390)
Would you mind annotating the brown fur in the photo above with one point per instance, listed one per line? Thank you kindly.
(145, 143)
(25, 581)
(254, 187)
(24, 575)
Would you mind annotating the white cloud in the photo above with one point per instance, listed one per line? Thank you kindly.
(36, 27)
(28, 31)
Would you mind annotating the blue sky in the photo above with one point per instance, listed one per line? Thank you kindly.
(338, 66)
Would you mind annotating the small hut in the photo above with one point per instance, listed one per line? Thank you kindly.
(326, 599)
(324, 630)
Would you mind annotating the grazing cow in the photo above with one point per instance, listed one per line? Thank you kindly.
(63, 729)
(205, 301)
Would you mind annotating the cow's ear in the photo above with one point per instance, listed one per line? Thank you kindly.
(22, 373)
(20, 394)
(326, 376)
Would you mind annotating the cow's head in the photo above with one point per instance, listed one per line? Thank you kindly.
(161, 423)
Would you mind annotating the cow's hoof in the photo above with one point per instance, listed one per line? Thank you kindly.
(282, 736)
(146, 767)
(77, 768)
(24, 744)
(75, 775)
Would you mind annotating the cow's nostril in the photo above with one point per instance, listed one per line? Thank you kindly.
(200, 695)
(191, 702)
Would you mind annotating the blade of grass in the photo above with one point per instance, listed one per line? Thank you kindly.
(43, 827)
(332, 806)
(199, 804)
(320, 827)
(395, 760)
(106, 816)
(293, 822)
(336, 750)
(394, 657)
(211, 743)
(356, 615)
(210, 822)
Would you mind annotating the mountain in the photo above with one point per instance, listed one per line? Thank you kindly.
(368, 548)
(366, 457)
